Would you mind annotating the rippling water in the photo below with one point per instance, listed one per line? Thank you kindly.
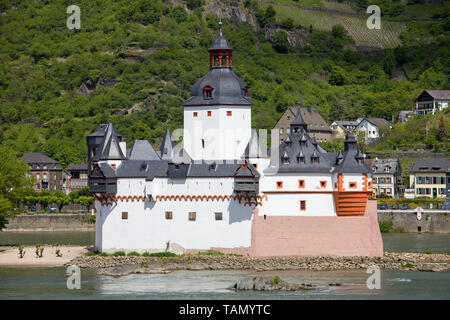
(50, 283)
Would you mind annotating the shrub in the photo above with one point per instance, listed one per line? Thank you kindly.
(21, 251)
(210, 253)
(133, 254)
(275, 280)
(159, 254)
(280, 42)
(385, 225)
(407, 265)
(104, 254)
(119, 254)
(428, 252)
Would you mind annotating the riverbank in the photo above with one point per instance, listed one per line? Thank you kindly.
(9, 256)
(120, 266)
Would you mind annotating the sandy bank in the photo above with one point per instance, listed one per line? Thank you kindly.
(10, 256)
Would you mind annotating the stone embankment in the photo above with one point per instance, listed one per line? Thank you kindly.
(119, 266)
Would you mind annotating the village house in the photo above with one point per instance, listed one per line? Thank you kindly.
(404, 115)
(371, 127)
(47, 173)
(317, 127)
(432, 101)
(429, 177)
(341, 127)
(386, 177)
(76, 177)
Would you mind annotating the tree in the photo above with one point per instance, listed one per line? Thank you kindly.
(85, 201)
(338, 31)
(13, 183)
(179, 14)
(389, 63)
(280, 42)
(337, 76)
(442, 128)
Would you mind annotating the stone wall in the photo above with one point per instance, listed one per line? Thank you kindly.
(50, 222)
(430, 222)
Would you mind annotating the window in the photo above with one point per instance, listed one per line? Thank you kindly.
(245, 91)
(207, 92)
(38, 176)
(352, 185)
(302, 205)
(279, 184)
(301, 184)
(388, 190)
(113, 165)
(255, 165)
(209, 113)
(38, 186)
(218, 216)
(281, 131)
(323, 184)
(195, 114)
(229, 113)
(168, 215)
(192, 216)
(124, 215)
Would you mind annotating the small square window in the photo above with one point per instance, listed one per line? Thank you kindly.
(124, 215)
(113, 165)
(323, 184)
(352, 185)
(279, 184)
(218, 216)
(229, 113)
(169, 215)
(302, 205)
(195, 114)
(255, 165)
(209, 113)
(192, 216)
(301, 184)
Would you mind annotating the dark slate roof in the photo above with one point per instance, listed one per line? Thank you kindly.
(162, 168)
(293, 149)
(77, 167)
(312, 118)
(384, 165)
(436, 94)
(100, 132)
(431, 165)
(37, 157)
(220, 43)
(376, 121)
(110, 148)
(255, 148)
(142, 150)
(350, 163)
(227, 89)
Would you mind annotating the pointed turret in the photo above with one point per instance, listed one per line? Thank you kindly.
(298, 123)
(110, 147)
(166, 147)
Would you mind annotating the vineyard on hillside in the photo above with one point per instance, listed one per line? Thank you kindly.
(386, 37)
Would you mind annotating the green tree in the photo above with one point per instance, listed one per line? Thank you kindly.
(337, 76)
(179, 14)
(338, 31)
(13, 183)
(280, 42)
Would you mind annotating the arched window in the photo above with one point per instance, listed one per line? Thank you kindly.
(207, 92)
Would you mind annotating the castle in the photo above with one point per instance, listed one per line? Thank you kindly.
(220, 189)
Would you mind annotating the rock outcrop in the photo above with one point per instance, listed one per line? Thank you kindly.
(269, 284)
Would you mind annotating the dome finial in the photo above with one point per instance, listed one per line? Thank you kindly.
(220, 26)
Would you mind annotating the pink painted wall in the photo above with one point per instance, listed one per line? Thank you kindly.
(317, 236)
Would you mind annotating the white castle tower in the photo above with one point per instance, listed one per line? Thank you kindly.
(217, 118)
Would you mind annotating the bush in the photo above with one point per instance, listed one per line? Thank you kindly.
(159, 254)
(210, 253)
(280, 42)
(119, 254)
(275, 280)
(133, 254)
(385, 226)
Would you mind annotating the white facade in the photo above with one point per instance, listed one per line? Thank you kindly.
(216, 132)
(370, 131)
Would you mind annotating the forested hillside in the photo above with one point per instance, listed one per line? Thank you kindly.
(133, 63)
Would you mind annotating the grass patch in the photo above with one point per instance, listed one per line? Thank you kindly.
(211, 253)
(398, 230)
(119, 254)
(385, 226)
(275, 280)
(159, 254)
(428, 252)
(407, 265)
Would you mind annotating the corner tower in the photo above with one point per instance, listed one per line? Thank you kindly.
(217, 117)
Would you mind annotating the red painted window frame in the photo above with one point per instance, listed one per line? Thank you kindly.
(301, 183)
(229, 113)
(279, 184)
(304, 202)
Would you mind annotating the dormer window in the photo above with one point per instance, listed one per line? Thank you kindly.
(245, 91)
(314, 159)
(207, 92)
(143, 167)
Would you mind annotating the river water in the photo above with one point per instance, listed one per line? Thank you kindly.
(50, 283)
(392, 242)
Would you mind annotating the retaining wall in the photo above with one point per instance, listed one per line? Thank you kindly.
(50, 222)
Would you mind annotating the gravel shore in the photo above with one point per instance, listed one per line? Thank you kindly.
(119, 266)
